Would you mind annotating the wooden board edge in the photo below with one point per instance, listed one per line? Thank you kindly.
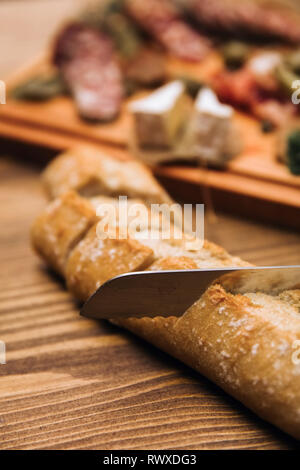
(227, 199)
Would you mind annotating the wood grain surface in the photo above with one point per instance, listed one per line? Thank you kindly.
(71, 383)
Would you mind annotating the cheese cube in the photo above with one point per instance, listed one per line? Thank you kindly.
(159, 116)
(210, 135)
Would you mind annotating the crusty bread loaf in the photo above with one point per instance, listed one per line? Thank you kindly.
(244, 343)
(67, 236)
(93, 173)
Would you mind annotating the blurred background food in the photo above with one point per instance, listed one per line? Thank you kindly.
(236, 62)
(109, 49)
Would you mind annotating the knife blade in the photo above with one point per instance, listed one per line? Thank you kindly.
(171, 293)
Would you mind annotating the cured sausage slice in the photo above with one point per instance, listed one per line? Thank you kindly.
(235, 16)
(162, 20)
(91, 71)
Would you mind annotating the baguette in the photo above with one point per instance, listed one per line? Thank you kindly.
(243, 343)
(66, 235)
(93, 173)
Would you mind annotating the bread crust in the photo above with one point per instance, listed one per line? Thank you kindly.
(92, 173)
(60, 227)
(94, 261)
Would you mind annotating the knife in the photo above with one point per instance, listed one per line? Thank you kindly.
(171, 293)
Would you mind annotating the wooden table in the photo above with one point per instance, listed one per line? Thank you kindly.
(71, 383)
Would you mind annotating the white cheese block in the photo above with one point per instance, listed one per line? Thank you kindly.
(210, 135)
(208, 103)
(159, 116)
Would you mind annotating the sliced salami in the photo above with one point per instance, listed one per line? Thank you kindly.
(162, 20)
(91, 71)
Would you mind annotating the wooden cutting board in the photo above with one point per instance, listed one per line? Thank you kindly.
(254, 184)
(73, 383)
